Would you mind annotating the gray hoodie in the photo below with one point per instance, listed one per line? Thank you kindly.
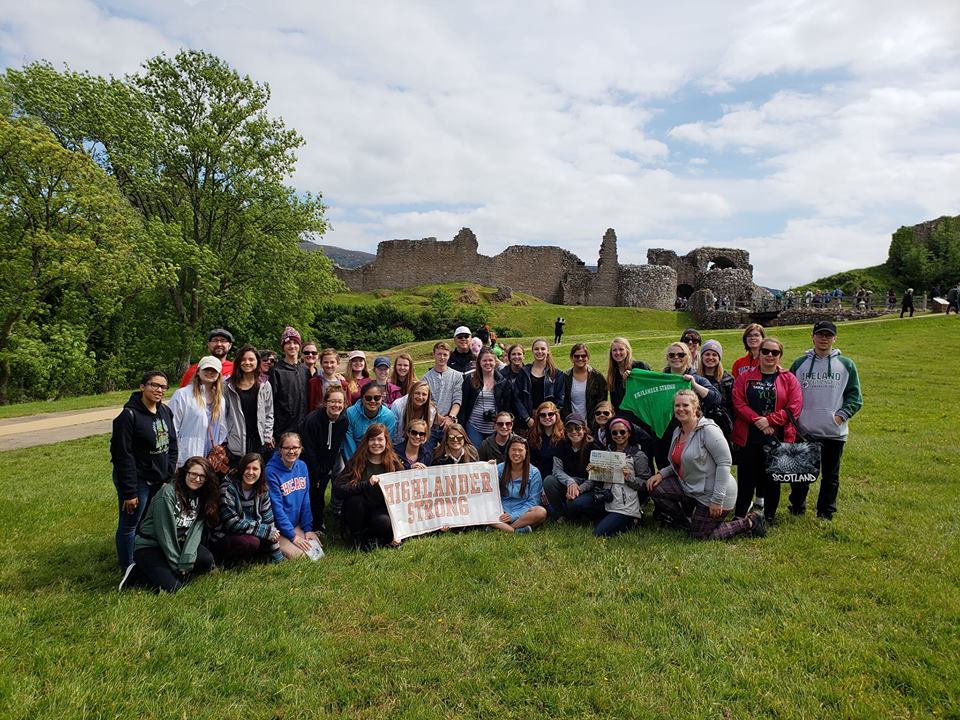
(705, 463)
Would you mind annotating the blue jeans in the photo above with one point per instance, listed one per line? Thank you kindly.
(613, 524)
(476, 437)
(127, 522)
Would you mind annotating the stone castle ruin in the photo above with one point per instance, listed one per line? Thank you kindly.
(557, 275)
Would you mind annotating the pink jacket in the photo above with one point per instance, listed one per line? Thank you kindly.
(788, 396)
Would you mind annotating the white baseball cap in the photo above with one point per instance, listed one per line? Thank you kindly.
(462, 330)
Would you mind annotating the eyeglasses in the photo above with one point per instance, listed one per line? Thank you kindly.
(291, 449)
(195, 475)
(373, 398)
(455, 438)
(602, 413)
(156, 386)
(691, 341)
(619, 433)
(548, 414)
(310, 352)
(504, 423)
(269, 361)
(581, 357)
(769, 351)
(416, 433)
(676, 356)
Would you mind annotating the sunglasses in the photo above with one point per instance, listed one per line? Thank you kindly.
(575, 428)
(548, 414)
(416, 433)
(769, 351)
(602, 413)
(581, 357)
(676, 356)
(462, 337)
(504, 423)
(619, 433)
(310, 352)
(455, 438)
(692, 341)
(373, 398)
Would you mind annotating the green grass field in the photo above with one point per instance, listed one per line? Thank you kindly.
(859, 618)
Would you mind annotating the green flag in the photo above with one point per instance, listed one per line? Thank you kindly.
(649, 396)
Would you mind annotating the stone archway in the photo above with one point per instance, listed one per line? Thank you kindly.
(720, 263)
(684, 290)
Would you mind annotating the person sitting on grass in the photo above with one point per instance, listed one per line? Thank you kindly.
(601, 416)
(413, 451)
(455, 447)
(288, 481)
(520, 489)
(246, 530)
(364, 507)
(699, 470)
(568, 487)
(495, 447)
(167, 552)
(623, 502)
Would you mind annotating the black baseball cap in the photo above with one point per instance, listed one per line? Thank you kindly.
(825, 326)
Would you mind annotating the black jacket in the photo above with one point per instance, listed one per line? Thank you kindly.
(503, 397)
(521, 390)
(289, 383)
(322, 439)
(596, 393)
(143, 446)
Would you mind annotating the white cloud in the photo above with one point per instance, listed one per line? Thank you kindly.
(534, 122)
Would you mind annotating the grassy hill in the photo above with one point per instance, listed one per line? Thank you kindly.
(855, 618)
(878, 278)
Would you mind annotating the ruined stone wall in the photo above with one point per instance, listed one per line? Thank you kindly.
(691, 266)
(734, 284)
(605, 288)
(536, 270)
(649, 286)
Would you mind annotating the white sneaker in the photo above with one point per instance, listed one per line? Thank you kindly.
(127, 574)
(758, 504)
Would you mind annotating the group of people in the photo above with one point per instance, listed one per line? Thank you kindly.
(237, 466)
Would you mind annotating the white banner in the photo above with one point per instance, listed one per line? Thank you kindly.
(421, 501)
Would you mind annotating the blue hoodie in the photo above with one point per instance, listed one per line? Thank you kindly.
(289, 495)
(358, 422)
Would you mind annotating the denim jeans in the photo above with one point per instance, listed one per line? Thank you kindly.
(127, 522)
(581, 507)
(613, 524)
(475, 436)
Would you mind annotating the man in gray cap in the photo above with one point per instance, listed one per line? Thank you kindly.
(219, 342)
(831, 396)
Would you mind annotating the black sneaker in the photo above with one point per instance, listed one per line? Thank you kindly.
(758, 524)
(128, 579)
(802, 510)
(825, 516)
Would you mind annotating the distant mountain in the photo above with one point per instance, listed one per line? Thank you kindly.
(340, 256)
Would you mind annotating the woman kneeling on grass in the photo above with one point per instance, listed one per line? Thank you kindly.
(364, 508)
(167, 551)
(246, 529)
(623, 502)
(520, 489)
(699, 469)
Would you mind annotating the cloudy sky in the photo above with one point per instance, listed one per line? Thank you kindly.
(805, 131)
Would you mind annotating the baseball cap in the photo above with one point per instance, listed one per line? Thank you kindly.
(209, 361)
(462, 330)
(356, 354)
(825, 326)
(382, 360)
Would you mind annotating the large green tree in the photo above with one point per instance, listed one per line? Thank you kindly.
(191, 145)
(73, 251)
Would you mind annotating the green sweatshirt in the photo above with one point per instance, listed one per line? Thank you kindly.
(159, 529)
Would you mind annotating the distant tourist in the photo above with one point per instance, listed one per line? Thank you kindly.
(830, 386)
(953, 299)
(907, 302)
(558, 330)
(891, 299)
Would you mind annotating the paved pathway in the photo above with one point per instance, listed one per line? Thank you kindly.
(49, 428)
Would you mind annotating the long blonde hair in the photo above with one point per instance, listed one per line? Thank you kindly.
(217, 393)
(613, 369)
